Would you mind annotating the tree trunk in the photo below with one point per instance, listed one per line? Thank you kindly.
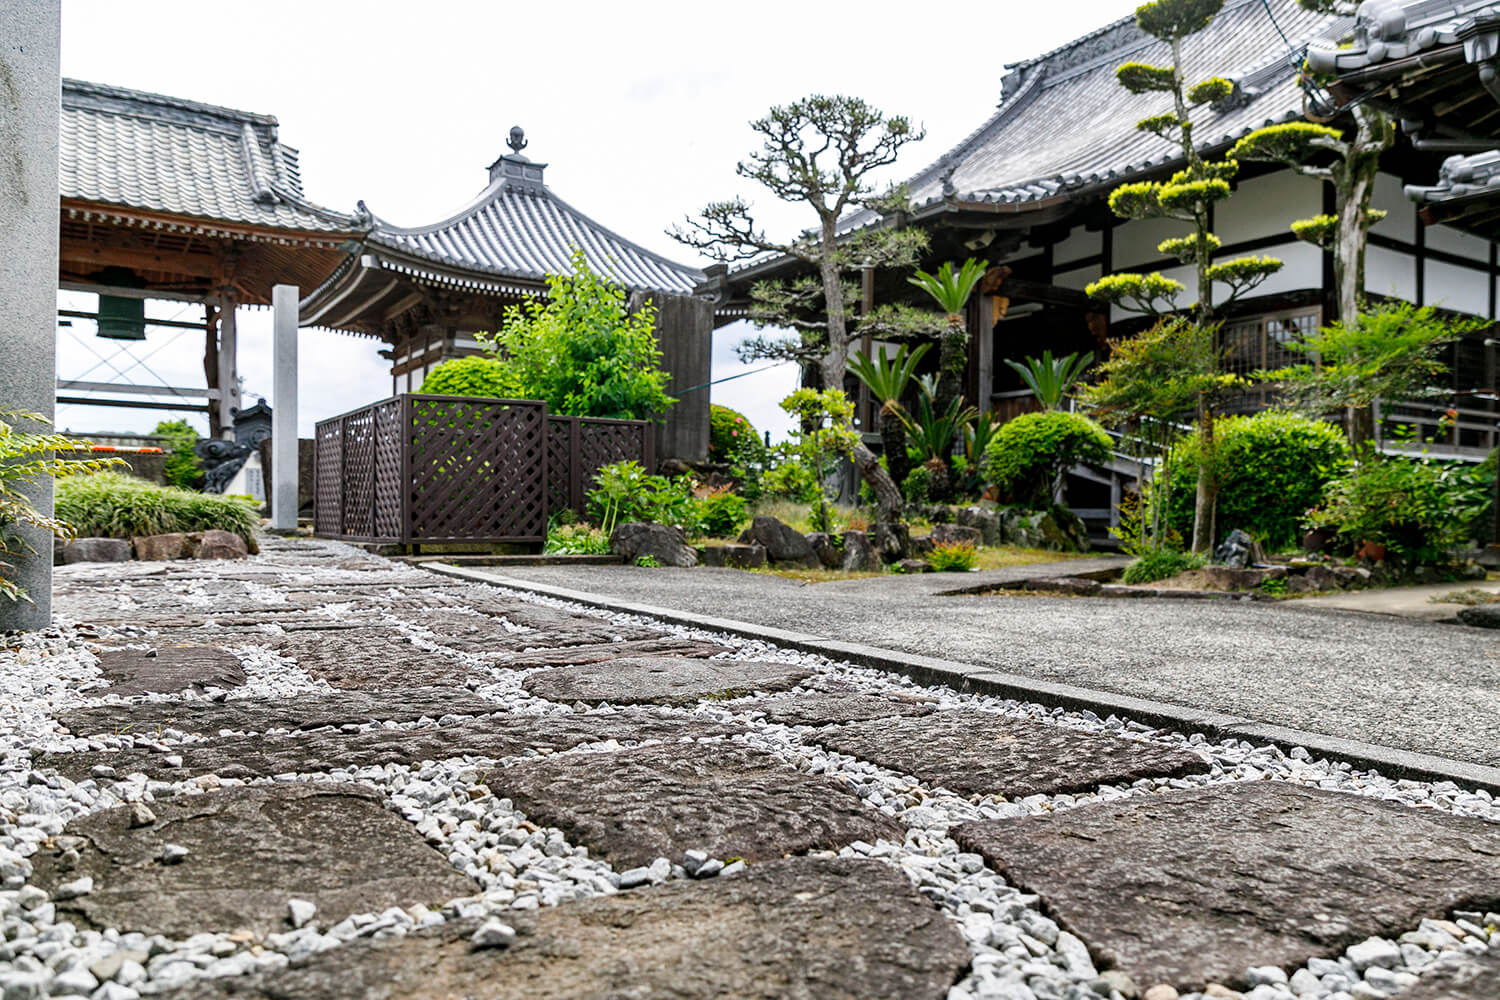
(1208, 492)
(953, 359)
(888, 502)
(893, 436)
(1362, 430)
(833, 300)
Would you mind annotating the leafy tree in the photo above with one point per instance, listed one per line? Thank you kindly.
(580, 351)
(1187, 196)
(182, 462)
(888, 379)
(951, 290)
(825, 430)
(1049, 379)
(1389, 353)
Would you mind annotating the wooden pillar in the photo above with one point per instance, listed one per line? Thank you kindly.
(211, 360)
(228, 365)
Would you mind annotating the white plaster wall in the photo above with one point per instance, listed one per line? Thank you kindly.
(1459, 288)
(1079, 244)
(1189, 296)
(1401, 223)
(1077, 278)
(1267, 206)
(1389, 272)
(1461, 243)
(1302, 268)
(1135, 242)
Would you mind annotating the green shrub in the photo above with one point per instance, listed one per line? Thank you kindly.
(479, 375)
(182, 463)
(1482, 524)
(952, 557)
(1160, 564)
(791, 480)
(1417, 508)
(112, 505)
(732, 439)
(917, 485)
(625, 492)
(1027, 454)
(721, 513)
(576, 539)
(1272, 467)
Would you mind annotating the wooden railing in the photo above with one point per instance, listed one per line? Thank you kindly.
(417, 469)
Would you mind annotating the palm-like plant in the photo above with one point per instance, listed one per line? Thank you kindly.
(1049, 379)
(951, 290)
(934, 432)
(888, 378)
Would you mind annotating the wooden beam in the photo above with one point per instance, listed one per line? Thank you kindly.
(100, 256)
(184, 324)
(136, 404)
(135, 390)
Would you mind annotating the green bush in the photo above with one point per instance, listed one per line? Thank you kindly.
(1160, 564)
(918, 485)
(1417, 508)
(1272, 467)
(1482, 524)
(791, 480)
(479, 375)
(732, 439)
(624, 492)
(112, 505)
(576, 539)
(182, 464)
(1027, 454)
(721, 513)
(952, 557)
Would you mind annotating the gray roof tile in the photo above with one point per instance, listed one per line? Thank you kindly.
(1387, 30)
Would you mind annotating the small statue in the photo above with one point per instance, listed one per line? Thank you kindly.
(221, 461)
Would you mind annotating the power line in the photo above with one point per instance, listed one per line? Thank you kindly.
(731, 378)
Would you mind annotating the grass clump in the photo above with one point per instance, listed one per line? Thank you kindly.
(952, 557)
(1159, 564)
(112, 505)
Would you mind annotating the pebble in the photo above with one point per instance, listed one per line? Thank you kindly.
(300, 911)
(173, 854)
(492, 934)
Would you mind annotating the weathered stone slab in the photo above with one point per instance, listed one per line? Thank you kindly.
(818, 708)
(482, 634)
(167, 669)
(1472, 978)
(662, 680)
(566, 656)
(834, 929)
(249, 851)
(371, 659)
(974, 752)
(732, 801)
(493, 736)
(305, 711)
(1198, 886)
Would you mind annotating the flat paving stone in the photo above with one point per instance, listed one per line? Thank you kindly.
(483, 634)
(249, 851)
(819, 708)
(168, 669)
(732, 801)
(1198, 886)
(974, 752)
(492, 736)
(1471, 978)
(662, 680)
(254, 715)
(371, 659)
(567, 656)
(834, 929)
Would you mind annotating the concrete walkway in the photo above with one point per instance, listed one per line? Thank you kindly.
(1411, 685)
(1404, 602)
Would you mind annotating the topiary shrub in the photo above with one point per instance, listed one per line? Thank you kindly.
(479, 375)
(1027, 454)
(112, 505)
(1272, 467)
(731, 436)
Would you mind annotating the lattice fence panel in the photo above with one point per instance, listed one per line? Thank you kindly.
(389, 515)
(478, 470)
(560, 463)
(359, 473)
(328, 489)
(604, 442)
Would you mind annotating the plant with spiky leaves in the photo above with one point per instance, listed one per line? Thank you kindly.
(933, 433)
(888, 379)
(1187, 196)
(1049, 378)
(951, 289)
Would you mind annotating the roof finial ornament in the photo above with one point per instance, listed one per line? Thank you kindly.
(517, 140)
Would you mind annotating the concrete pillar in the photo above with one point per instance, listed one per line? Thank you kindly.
(229, 368)
(284, 417)
(30, 88)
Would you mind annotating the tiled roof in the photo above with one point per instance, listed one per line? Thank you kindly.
(517, 228)
(1390, 30)
(1066, 127)
(1460, 178)
(165, 155)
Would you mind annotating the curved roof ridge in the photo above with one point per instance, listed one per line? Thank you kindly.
(147, 97)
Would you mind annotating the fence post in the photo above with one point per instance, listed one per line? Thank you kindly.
(344, 494)
(575, 464)
(648, 446)
(405, 421)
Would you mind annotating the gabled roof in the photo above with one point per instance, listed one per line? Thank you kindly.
(171, 157)
(517, 229)
(1065, 128)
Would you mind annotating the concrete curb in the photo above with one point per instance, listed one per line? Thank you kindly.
(969, 678)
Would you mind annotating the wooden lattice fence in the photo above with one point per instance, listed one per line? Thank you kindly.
(418, 469)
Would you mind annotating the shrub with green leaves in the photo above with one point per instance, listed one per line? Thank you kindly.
(1271, 467)
(791, 480)
(721, 513)
(732, 439)
(478, 375)
(182, 468)
(1160, 564)
(625, 492)
(576, 539)
(917, 486)
(1418, 508)
(1027, 454)
(112, 505)
(952, 557)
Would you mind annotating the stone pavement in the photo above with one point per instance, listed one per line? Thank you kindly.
(1411, 685)
(320, 774)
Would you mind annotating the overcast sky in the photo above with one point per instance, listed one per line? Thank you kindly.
(639, 110)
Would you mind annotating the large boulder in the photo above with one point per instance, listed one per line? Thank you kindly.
(987, 521)
(1057, 529)
(859, 555)
(949, 534)
(157, 548)
(664, 543)
(93, 550)
(1233, 578)
(1481, 616)
(734, 556)
(822, 545)
(892, 540)
(1239, 550)
(783, 544)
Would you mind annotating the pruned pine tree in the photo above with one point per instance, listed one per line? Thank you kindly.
(821, 150)
(1186, 196)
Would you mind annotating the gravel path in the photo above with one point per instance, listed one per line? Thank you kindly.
(1411, 685)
